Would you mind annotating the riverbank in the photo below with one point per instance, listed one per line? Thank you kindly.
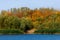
(32, 31)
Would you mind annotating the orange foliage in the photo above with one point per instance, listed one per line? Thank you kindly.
(33, 14)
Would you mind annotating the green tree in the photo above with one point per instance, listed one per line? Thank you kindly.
(26, 24)
(12, 22)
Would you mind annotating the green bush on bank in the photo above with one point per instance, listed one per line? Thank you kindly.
(11, 32)
(47, 31)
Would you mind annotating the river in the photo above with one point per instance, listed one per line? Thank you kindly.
(30, 37)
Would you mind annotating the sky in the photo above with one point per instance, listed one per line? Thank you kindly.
(7, 4)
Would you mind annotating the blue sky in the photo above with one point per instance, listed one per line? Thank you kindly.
(7, 4)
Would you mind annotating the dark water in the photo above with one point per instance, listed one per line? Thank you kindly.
(30, 37)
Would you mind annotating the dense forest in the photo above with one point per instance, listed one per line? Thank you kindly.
(20, 20)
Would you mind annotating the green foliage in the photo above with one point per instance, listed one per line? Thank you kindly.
(11, 32)
(26, 24)
(44, 20)
(12, 22)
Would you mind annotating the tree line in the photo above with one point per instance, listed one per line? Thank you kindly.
(20, 20)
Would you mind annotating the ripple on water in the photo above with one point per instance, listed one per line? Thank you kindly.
(30, 37)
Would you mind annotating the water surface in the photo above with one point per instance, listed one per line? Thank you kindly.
(30, 37)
